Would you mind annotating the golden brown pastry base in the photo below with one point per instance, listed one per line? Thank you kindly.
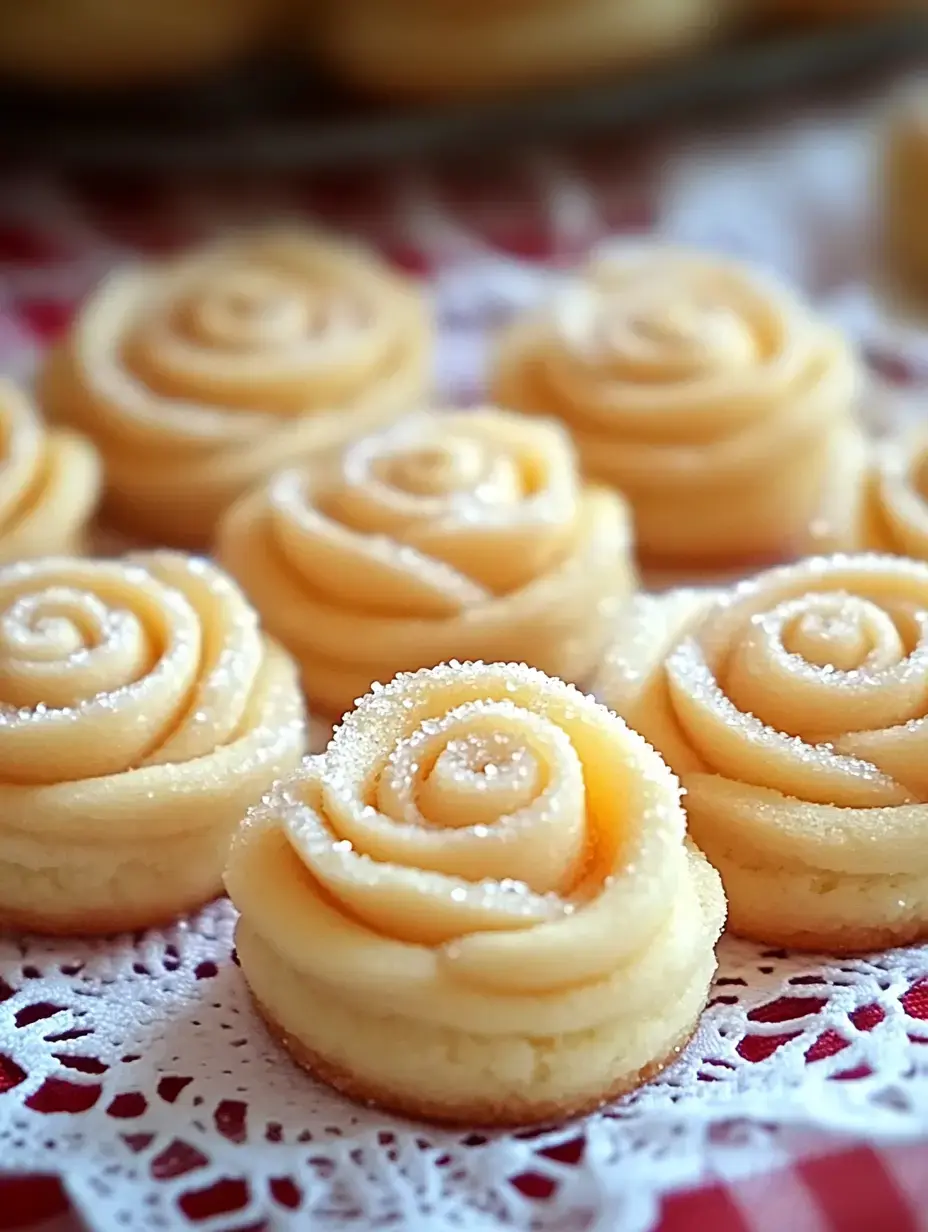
(847, 941)
(105, 923)
(481, 1115)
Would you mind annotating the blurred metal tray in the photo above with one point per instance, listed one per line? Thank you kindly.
(272, 118)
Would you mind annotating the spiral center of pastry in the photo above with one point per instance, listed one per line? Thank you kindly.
(840, 632)
(433, 469)
(246, 310)
(479, 777)
(651, 335)
(262, 310)
(60, 646)
(55, 624)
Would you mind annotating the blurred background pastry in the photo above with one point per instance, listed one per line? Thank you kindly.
(838, 10)
(117, 43)
(464, 535)
(697, 386)
(903, 181)
(426, 50)
(197, 376)
(447, 48)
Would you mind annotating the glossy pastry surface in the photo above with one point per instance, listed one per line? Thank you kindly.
(49, 483)
(451, 534)
(715, 400)
(794, 708)
(198, 376)
(141, 712)
(477, 905)
(898, 496)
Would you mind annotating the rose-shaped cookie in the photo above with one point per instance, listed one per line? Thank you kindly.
(197, 377)
(898, 497)
(141, 713)
(477, 905)
(448, 535)
(710, 396)
(794, 708)
(49, 483)
(103, 44)
(903, 193)
(465, 48)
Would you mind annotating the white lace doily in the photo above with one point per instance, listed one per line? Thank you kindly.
(137, 1069)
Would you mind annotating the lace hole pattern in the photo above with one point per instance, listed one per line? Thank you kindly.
(137, 1067)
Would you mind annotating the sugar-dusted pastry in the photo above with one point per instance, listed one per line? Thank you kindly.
(141, 712)
(198, 376)
(49, 483)
(715, 400)
(477, 906)
(459, 48)
(118, 43)
(903, 193)
(794, 708)
(898, 497)
(462, 534)
(818, 11)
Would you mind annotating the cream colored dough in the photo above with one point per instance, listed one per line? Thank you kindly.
(199, 376)
(49, 483)
(709, 395)
(142, 712)
(477, 905)
(448, 50)
(449, 535)
(903, 193)
(898, 497)
(118, 43)
(794, 708)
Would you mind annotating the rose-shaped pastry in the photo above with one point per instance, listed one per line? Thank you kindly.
(103, 44)
(49, 483)
(903, 191)
(711, 397)
(448, 535)
(794, 708)
(197, 377)
(141, 713)
(821, 11)
(477, 905)
(466, 48)
(898, 498)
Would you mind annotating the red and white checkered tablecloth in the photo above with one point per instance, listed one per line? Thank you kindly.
(851, 1190)
(486, 235)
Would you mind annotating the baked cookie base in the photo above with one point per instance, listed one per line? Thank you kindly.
(843, 941)
(478, 1114)
(819, 912)
(103, 923)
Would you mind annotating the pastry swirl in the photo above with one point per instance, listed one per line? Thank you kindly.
(49, 483)
(485, 876)
(794, 708)
(698, 387)
(450, 534)
(198, 377)
(141, 713)
(898, 497)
